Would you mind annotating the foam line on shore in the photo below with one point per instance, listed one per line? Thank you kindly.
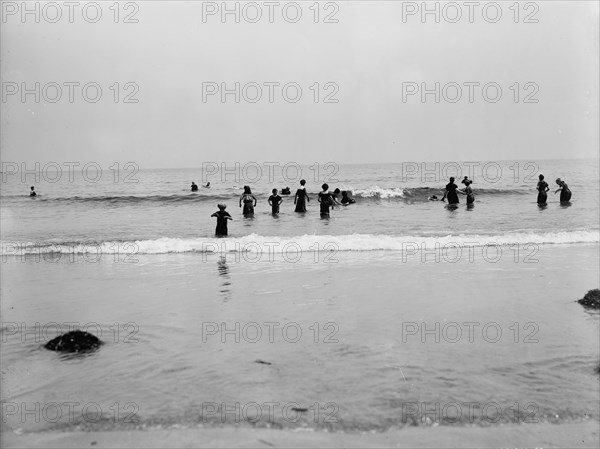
(304, 243)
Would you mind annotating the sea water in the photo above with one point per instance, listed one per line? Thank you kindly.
(395, 311)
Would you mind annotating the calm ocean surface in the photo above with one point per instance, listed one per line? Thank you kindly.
(360, 351)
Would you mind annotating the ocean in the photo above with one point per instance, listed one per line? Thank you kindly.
(394, 311)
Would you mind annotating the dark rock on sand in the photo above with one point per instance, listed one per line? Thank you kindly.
(591, 299)
(74, 341)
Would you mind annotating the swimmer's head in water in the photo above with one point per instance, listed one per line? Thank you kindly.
(325, 187)
(541, 177)
(274, 191)
(302, 182)
(222, 206)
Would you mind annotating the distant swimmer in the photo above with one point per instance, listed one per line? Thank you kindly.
(433, 198)
(346, 199)
(32, 193)
(207, 186)
(286, 191)
(565, 192)
(451, 194)
(542, 188)
(222, 217)
(194, 187)
(274, 201)
(301, 197)
(249, 201)
(326, 200)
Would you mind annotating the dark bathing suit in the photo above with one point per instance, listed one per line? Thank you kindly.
(301, 200)
(275, 199)
(565, 193)
(221, 222)
(248, 204)
(326, 202)
(452, 195)
(542, 195)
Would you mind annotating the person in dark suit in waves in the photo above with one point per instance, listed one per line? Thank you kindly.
(274, 201)
(334, 196)
(249, 201)
(301, 197)
(565, 192)
(32, 192)
(194, 187)
(346, 199)
(326, 200)
(468, 191)
(542, 188)
(222, 217)
(451, 194)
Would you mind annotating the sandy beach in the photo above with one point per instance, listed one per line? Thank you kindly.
(573, 435)
(376, 366)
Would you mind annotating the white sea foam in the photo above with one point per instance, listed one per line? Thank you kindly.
(378, 192)
(304, 243)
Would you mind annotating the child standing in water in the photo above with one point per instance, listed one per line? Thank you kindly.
(222, 217)
(274, 201)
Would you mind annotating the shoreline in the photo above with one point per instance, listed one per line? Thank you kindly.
(577, 434)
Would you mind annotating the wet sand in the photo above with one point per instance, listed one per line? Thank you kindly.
(370, 372)
(572, 435)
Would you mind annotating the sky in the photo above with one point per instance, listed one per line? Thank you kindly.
(519, 85)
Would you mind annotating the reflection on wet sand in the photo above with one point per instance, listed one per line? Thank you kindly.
(224, 272)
